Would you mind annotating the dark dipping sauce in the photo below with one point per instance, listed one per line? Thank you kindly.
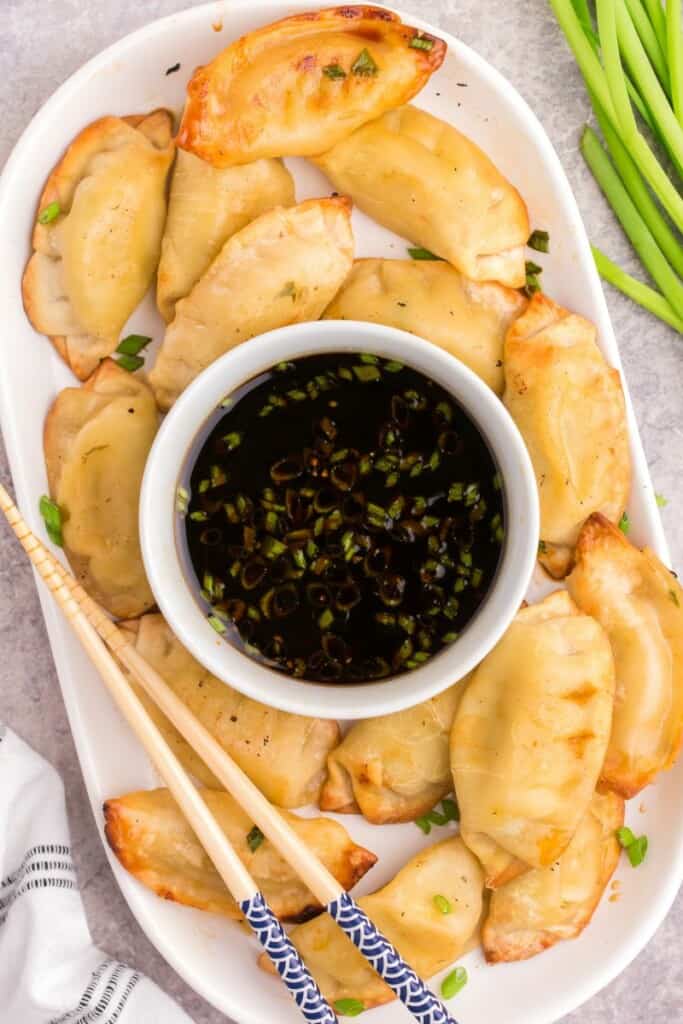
(345, 519)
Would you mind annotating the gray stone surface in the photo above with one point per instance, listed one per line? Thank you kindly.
(40, 46)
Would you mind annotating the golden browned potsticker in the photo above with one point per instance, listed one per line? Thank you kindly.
(640, 604)
(549, 904)
(395, 767)
(530, 735)
(206, 206)
(429, 911)
(96, 439)
(282, 268)
(569, 406)
(153, 840)
(285, 755)
(98, 235)
(430, 298)
(420, 177)
(300, 85)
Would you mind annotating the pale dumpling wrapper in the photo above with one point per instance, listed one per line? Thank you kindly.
(282, 268)
(206, 206)
(530, 735)
(405, 912)
(433, 300)
(153, 840)
(549, 904)
(96, 440)
(394, 767)
(93, 264)
(420, 177)
(640, 604)
(569, 407)
(299, 85)
(283, 754)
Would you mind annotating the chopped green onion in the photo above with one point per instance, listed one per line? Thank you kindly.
(453, 983)
(424, 824)
(326, 619)
(393, 366)
(182, 499)
(532, 283)
(625, 836)
(334, 71)
(443, 905)
(254, 838)
(419, 42)
(539, 240)
(348, 1007)
(418, 253)
(625, 523)
(367, 373)
(130, 363)
(199, 516)
(364, 64)
(662, 502)
(233, 440)
(49, 213)
(133, 344)
(636, 847)
(216, 624)
(637, 850)
(450, 809)
(52, 517)
(368, 357)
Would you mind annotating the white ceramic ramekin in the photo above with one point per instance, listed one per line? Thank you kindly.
(158, 521)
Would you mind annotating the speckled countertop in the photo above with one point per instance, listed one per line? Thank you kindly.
(40, 46)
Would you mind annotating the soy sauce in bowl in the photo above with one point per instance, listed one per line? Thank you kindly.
(345, 518)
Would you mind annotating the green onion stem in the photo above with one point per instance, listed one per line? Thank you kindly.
(636, 188)
(675, 55)
(594, 76)
(648, 37)
(657, 20)
(641, 293)
(614, 73)
(584, 16)
(648, 85)
(631, 221)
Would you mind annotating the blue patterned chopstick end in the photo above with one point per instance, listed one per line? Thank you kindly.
(289, 964)
(378, 951)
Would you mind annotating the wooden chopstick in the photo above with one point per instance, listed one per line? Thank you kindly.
(96, 631)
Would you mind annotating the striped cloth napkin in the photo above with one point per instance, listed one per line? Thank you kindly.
(50, 971)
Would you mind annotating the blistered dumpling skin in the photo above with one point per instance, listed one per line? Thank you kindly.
(206, 206)
(153, 840)
(394, 767)
(96, 440)
(406, 914)
(529, 737)
(283, 754)
(640, 604)
(298, 86)
(422, 178)
(549, 904)
(433, 300)
(569, 406)
(93, 263)
(282, 268)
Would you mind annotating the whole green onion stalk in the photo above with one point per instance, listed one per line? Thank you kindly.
(630, 53)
